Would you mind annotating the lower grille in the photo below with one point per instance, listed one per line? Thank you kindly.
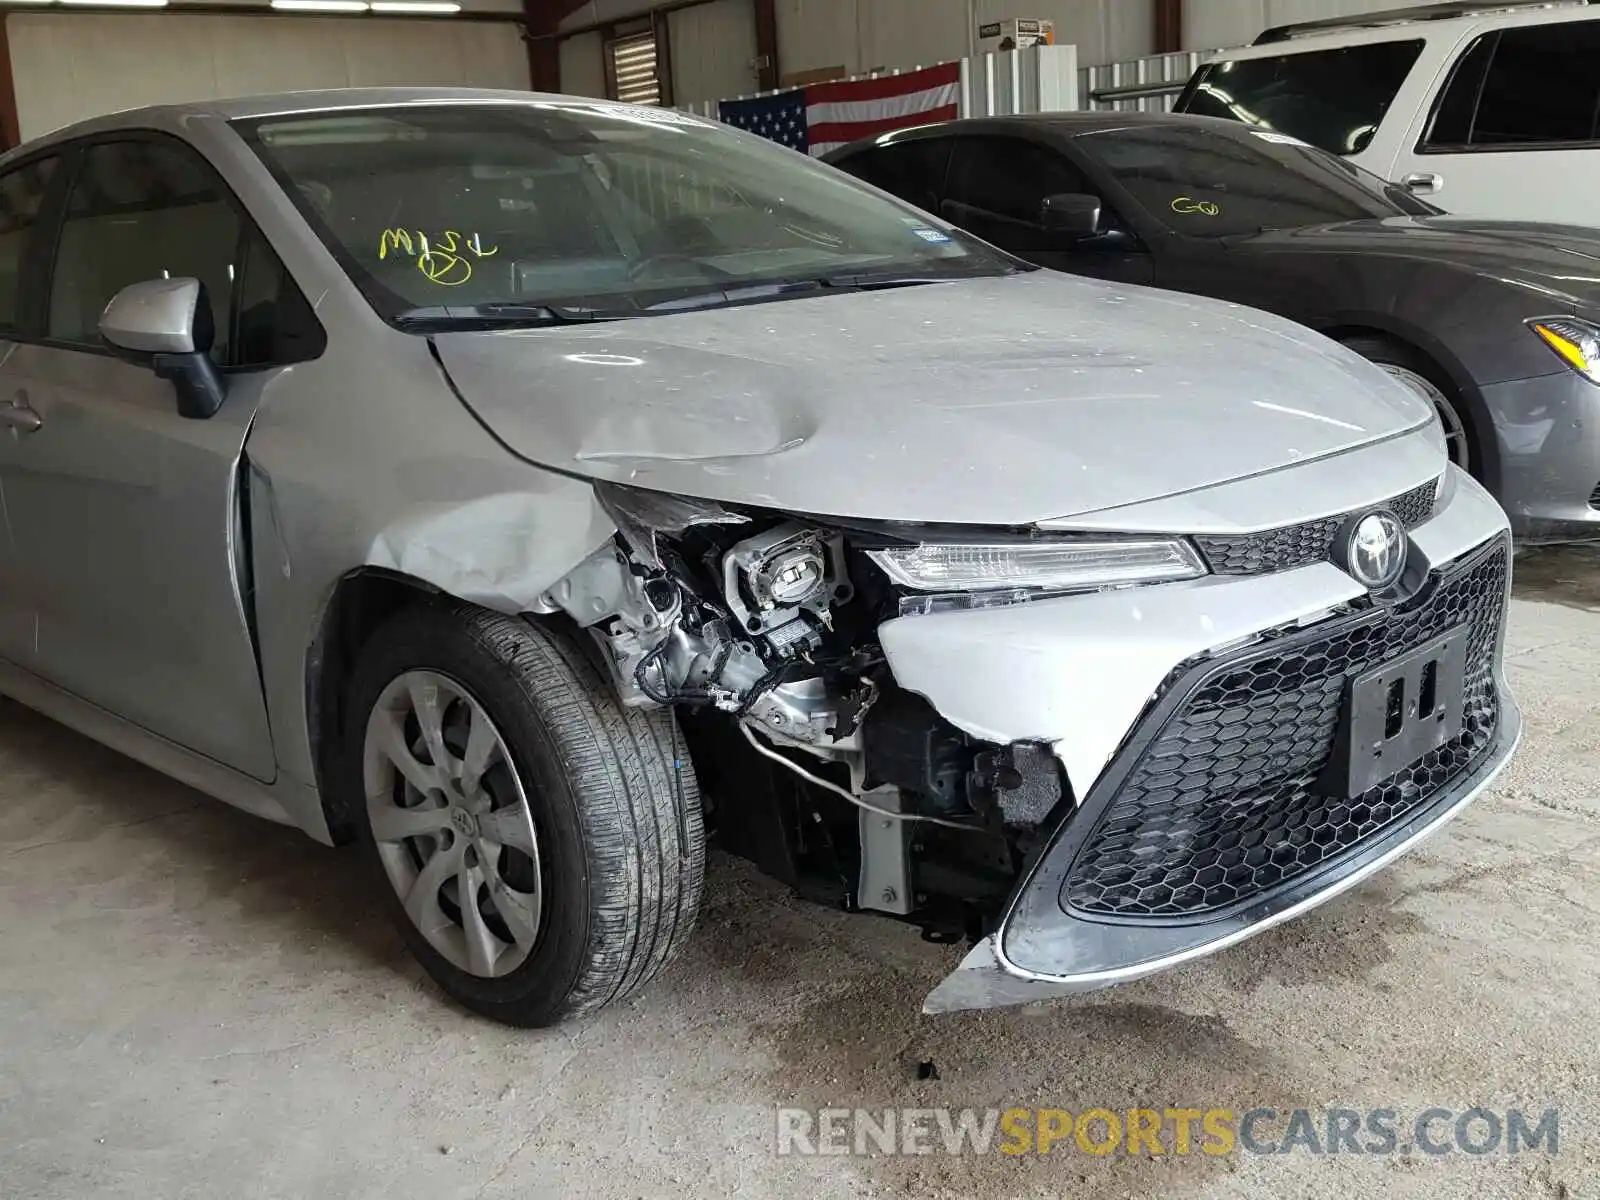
(1300, 545)
(1224, 804)
(1594, 497)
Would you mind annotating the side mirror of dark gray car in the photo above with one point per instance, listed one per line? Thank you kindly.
(166, 325)
(1072, 214)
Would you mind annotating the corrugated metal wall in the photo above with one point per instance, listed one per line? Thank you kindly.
(1210, 24)
(708, 43)
(865, 35)
(1162, 73)
(713, 44)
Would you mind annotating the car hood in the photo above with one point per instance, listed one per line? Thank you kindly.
(1553, 260)
(996, 401)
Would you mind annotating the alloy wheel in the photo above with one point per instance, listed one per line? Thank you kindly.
(452, 824)
(1455, 429)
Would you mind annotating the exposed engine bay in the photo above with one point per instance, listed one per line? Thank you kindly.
(761, 629)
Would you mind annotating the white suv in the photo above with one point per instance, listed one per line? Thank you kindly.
(1486, 109)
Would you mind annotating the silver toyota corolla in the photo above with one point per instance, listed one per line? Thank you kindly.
(524, 486)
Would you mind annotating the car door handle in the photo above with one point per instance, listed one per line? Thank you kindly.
(19, 415)
(1423, 183)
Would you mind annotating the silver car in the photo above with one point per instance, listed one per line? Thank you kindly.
(525, 486)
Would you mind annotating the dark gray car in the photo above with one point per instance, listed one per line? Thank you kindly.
(1497, 324)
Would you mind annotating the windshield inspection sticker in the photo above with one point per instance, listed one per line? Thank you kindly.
(1187, 204)
(930, 235)
(1278, 139)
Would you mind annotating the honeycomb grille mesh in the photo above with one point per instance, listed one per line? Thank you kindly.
(1300, 545)
(1224, 805)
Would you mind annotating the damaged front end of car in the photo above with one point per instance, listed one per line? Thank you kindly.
(1009, 737)
(762, 630)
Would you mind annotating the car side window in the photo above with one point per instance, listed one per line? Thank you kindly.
(141, 210)
(1006, 179)
(913, 170)
(1541, 86)
(1451, 126)
(22, 195)
(273, 322)
(1010, 177)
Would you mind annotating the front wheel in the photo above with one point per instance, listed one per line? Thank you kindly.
(1427, 381)
(543, 845)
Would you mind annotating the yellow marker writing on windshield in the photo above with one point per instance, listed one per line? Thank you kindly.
(394, 239)
(1186, 204)
(444, 262)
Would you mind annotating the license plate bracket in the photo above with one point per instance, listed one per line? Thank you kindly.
(1399, 711)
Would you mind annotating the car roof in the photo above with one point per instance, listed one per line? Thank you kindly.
(1062, 124)
(280, 104)
(1447, 29)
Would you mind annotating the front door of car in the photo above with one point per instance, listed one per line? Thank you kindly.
(27, 192)
(997, 188)
(126, 519)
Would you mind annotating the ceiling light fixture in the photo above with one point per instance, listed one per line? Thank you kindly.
(116, 3)
(348, 6)
(414, 6)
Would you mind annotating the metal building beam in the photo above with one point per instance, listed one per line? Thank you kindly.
(1169, 26)
(768, 70)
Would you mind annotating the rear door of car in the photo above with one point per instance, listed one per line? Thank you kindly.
(1515, 130)
(127, 520)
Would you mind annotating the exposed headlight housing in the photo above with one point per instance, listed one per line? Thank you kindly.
(1057, 566)
(1576, 343)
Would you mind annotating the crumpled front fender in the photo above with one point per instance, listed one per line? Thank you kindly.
(502, 551)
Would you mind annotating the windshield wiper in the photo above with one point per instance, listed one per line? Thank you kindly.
(869, 281)
(504, 313)
(512, 313)
(722, 297)
(786, 289)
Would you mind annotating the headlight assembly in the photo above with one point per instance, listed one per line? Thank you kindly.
(1576, 342)
(1040, 566)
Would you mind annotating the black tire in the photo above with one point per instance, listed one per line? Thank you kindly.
(1453, 405)
(615, 803)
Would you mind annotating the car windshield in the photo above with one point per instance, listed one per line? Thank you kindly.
(536, 212)
(1335, 99)
(1211, 184)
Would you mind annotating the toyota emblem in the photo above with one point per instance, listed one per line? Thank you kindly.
(1375, 550)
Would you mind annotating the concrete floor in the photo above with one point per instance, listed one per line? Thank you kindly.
(195, 1003)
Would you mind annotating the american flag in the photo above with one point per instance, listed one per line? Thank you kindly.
(824, 116)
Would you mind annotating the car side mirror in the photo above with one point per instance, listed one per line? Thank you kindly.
(1072, 214)
(166, 325)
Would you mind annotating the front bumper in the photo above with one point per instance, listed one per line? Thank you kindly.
(1547, 433)
(1193, 832)
(989, 977)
